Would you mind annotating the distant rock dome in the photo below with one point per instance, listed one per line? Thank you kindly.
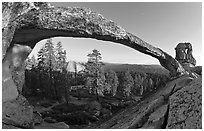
(74, 66)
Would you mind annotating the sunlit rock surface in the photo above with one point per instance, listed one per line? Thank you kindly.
(74, 67)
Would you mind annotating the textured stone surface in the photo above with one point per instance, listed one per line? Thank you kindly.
(9, 90)
(17, 113)
(13, 71)
(196, 69)
(5, 126)
(186, 107)
(157, 118)
(11, 11)
(184, 55)
(60, 125)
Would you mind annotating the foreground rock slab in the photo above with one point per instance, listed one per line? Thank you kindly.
(45, 125)
(186, 106)
(17, 113)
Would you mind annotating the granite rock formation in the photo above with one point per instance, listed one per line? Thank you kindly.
(25, 24)
(185, 107)
(40, 21)
(184, 55)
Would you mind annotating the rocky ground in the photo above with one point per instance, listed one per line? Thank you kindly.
(77, 113)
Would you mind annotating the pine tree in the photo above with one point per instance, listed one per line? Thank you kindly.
(95, 57)
(51, 64)
(112, 80)
(46, 66)
(50, 56)
(61, 66)
(127, 84)
(140, 83)
(61, 57)
(41, 58)
(95, 71)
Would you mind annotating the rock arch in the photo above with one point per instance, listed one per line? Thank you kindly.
(24, 24)
(28, 23)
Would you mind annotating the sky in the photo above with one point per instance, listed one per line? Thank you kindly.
(163, 25)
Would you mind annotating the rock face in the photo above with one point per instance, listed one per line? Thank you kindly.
(24, 24)
(13, 71)
(17, 113)
(185, 107)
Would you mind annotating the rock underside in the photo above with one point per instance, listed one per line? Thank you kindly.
(24, 24)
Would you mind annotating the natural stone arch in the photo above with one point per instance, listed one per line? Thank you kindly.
(24, 24)
(37, 21)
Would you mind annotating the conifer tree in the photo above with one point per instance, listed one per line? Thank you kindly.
(50, 56)
(46, 65)
(95, 73)
(112, 80)
(127, 84)
(60, 57)
(41, 58)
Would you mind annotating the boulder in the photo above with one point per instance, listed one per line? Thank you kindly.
(17, 113)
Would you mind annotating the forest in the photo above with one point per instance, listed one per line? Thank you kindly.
(90, 95)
